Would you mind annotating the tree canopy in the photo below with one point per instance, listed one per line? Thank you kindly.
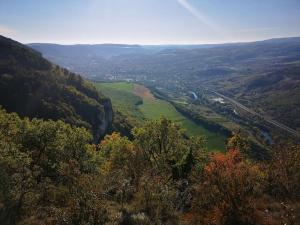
(52, 174)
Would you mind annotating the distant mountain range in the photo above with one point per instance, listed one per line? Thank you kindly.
(264, 75)
(101, 60)
(108, 50)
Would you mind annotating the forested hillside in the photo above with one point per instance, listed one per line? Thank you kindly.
(51, 174)
(33, 87)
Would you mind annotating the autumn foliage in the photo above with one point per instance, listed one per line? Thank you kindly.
(235, 190)
(228, 189)
(52, 174)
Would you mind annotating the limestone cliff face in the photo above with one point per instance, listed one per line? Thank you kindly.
(106, 119)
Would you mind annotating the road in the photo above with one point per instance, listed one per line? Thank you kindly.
(273, 122)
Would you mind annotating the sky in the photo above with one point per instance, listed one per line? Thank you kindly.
(148, 21)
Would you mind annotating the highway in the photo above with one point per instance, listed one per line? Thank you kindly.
(271, 121)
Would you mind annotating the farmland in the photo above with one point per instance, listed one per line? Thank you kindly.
(138, 104)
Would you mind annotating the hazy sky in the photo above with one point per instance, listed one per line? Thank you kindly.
(148, 21)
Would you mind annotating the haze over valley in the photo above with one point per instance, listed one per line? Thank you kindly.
(149, 112)
(255, 75)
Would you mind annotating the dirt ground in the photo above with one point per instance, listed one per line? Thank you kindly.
(143, 92)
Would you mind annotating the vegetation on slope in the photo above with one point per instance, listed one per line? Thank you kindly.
(33, 87)
(50, 174)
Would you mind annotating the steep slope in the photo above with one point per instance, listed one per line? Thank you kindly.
(31, 86)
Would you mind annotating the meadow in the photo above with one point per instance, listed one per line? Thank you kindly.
(138, 104)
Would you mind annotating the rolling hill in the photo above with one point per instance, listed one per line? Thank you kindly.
(263, 75)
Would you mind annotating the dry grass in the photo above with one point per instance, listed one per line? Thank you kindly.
(143, 92)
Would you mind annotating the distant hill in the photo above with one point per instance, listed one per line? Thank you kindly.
(195, 60)
(32, 86)
(81, 50)
(264, 75)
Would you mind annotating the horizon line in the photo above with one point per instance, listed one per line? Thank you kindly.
(153, 44)
(163, 44)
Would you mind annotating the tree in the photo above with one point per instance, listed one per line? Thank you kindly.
(47, 174)
(284, 172)
(164, 145)
(228, 190)
(238, 142)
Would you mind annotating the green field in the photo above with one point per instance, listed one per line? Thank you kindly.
(123, 99)
(138, 108)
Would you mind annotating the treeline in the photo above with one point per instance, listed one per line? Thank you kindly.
(198, 119)
(257, 151)
(51, 174)
(209, 125)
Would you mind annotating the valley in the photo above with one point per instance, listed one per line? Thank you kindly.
(149, 112)
(139, 104)
(262, 75)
